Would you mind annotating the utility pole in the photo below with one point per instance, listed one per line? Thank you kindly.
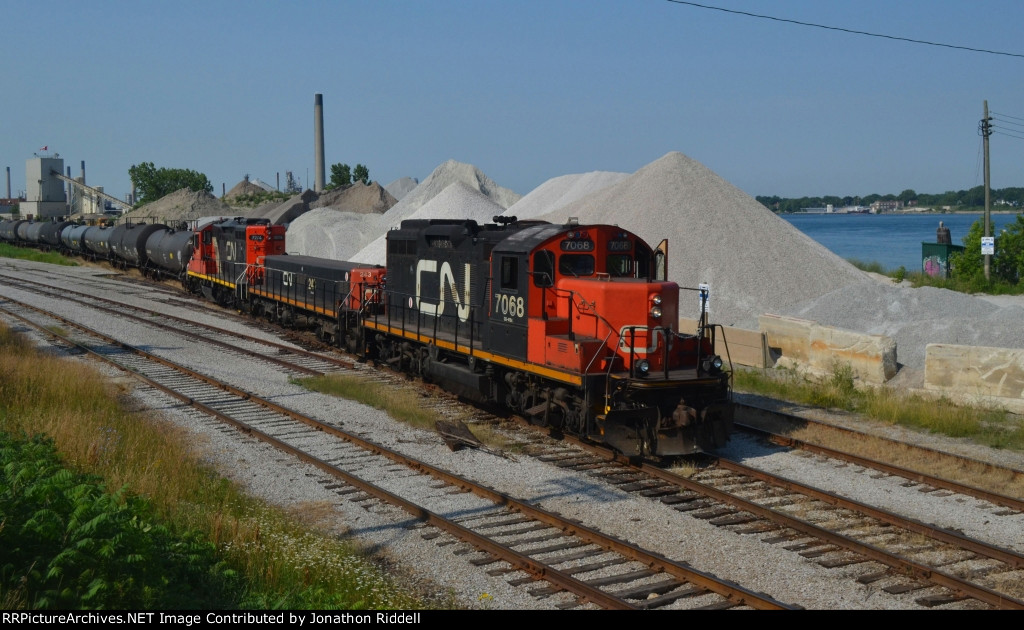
(986, 131)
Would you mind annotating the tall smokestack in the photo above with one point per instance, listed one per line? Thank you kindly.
(8, 182)
(318, 141)
(83, 171)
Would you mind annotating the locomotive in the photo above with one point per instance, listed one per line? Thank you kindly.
(569, 326)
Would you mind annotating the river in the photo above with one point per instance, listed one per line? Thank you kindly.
(893, 240)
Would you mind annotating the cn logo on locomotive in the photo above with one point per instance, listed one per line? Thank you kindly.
(446, 278)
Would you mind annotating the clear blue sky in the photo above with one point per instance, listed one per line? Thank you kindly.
(526, 90)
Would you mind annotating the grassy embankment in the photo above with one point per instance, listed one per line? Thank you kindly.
(128, 516)
(23, 253)
(962, 285)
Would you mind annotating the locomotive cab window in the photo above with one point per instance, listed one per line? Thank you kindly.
(543, 269)
(509, 273)
(576, 265)
(620, 265)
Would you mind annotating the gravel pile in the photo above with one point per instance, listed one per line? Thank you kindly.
(361, 198)
(754, 261)
(181, 205)
(561, 191)
(325, 231)
(457, 201)
(347, 238)
(402, 187)
(244, 187)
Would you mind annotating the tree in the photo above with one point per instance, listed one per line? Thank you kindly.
(341, 176)
(152, 183)
(361, 174)
(1007, 263)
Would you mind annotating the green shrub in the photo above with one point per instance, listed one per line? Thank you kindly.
(70, 544)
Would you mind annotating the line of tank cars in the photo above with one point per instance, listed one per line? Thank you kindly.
(570, 326)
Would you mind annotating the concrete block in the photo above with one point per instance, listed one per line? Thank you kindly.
(805, 344)
(974, 371)
(788, 337)
(745, 347)
(872, 357)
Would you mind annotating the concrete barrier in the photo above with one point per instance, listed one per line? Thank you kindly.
(745, 347)
(976, 374)
(805, 344)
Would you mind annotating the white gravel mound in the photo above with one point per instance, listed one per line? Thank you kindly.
(754, 261)
(561, 191)
(457, 201)
(356, 235)
(401, 187)
(328, 233)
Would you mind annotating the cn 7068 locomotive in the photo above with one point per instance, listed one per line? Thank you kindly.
(570, 326)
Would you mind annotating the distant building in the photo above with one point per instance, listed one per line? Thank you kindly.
(886, 206)
(7, 205)
(44, 193)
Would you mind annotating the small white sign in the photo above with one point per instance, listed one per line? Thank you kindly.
(988, 245)
(705, 296)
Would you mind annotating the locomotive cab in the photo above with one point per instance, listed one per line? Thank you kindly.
(590, 305)
(228, 254)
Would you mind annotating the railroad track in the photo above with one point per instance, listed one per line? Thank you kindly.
(898, 555)
(759, 420)
(507, 534)
(942, 566)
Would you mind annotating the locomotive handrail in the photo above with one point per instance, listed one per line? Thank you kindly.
(604, 344)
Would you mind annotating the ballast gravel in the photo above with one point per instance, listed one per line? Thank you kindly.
(438, 568)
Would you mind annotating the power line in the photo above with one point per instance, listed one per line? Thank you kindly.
(1010, 122)
(1005, 115)
(846, 30)
(1006, 134)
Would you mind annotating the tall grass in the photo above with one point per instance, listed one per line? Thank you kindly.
(280, 557)
(10, 251)
(991, 427)
(403, 404)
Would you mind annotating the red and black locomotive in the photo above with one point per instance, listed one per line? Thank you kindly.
(570, 326)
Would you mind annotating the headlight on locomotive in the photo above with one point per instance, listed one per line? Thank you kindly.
(643, 368)
(656, 308)
(712, 364)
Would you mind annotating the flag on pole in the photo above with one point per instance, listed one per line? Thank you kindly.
(45, 148)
